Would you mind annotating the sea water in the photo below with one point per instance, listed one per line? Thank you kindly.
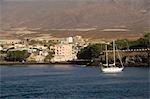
(72, 82)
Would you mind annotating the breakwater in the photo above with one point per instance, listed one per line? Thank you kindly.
(128, 59)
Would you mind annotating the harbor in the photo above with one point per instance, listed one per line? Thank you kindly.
(74, 49)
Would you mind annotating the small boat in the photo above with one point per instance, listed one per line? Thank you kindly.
(112, 68)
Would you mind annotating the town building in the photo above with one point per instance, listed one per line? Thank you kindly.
(1, 48)
(9, 41)
(63, 52)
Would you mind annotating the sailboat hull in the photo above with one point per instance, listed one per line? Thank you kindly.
(112, 69)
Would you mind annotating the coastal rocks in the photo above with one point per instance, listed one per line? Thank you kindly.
(128, 61)
(134, 60)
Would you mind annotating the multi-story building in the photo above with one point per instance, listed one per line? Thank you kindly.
(63, 52)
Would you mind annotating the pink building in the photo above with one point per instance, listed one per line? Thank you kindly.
(63, 52)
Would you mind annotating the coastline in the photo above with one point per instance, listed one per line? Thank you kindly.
(69, 62)
(31, 63)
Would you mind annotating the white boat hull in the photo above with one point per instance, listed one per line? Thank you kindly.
(112, 69)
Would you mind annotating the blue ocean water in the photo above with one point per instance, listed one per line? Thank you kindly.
(72, 82)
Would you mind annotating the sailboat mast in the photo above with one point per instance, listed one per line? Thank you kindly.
(114, 52)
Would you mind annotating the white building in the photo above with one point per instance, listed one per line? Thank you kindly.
(70, 39)
(39, 58)
(1, 48)
(10, 41)
(40, 47)
(19, 45)
(43, 53)
(31, 50)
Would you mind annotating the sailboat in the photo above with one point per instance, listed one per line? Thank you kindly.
(112, 68)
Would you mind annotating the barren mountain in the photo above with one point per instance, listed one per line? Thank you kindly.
(132, 15)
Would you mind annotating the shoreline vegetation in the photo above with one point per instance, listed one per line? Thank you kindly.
(91, 55)
(129, 58)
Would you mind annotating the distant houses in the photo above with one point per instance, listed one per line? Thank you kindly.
(63, 49)
(9, 41)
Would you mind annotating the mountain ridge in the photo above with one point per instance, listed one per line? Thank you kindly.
(73, 14)
(132, 15)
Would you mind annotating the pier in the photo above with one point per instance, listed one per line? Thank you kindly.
(132, 50)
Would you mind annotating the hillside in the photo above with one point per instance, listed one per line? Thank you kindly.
(132, 15)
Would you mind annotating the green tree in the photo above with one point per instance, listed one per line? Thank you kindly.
(122, 44)
(17, 55)
(141, 43)
(147, 39)
(90, 52)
